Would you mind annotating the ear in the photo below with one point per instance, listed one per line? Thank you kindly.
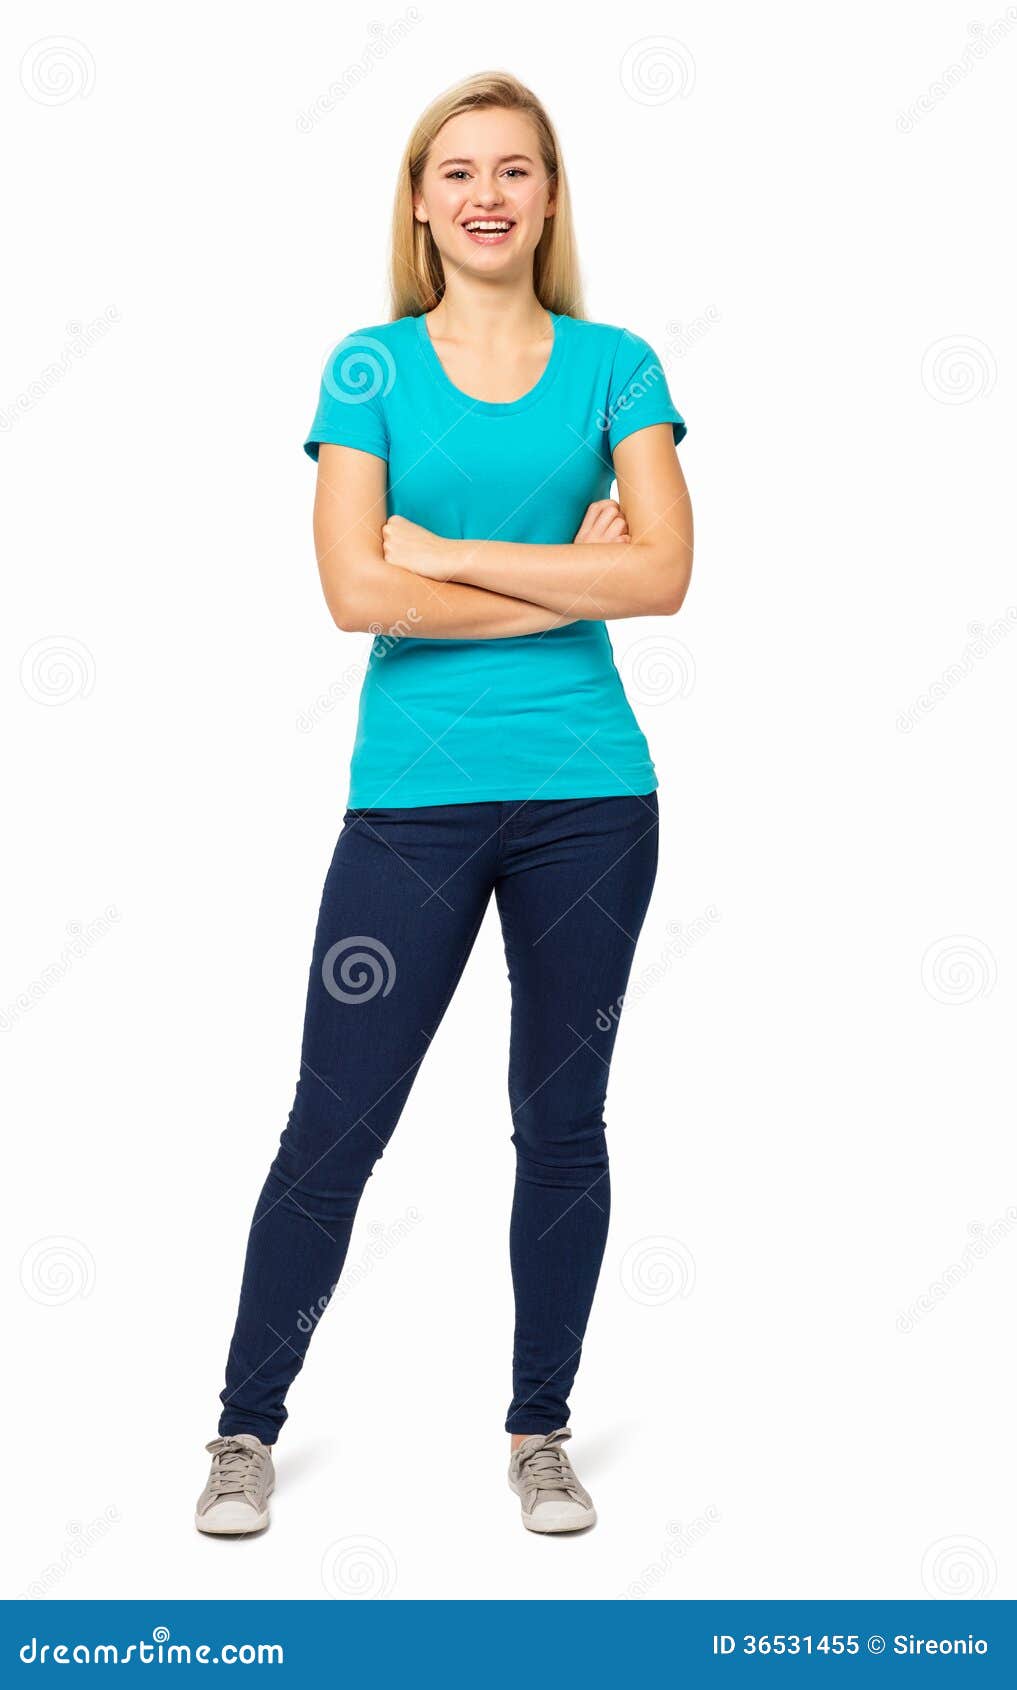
(418, 210)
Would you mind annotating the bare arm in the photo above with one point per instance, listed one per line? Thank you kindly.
(648, 575)
(364, 592)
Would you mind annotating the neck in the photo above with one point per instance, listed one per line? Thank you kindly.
(489, 313)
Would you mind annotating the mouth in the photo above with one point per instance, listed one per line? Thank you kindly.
(488, 231)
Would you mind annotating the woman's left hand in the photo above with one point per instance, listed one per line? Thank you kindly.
(409, 546)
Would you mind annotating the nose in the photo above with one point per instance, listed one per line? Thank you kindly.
(487, 196)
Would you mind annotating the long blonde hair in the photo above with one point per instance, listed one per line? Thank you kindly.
(416, 278)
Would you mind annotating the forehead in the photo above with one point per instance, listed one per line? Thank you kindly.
(486, 135)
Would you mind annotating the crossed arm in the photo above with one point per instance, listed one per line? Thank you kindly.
(395, 574)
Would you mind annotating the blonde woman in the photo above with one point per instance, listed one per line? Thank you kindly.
(465, 450)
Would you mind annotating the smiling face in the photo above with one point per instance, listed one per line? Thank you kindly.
(485, 192)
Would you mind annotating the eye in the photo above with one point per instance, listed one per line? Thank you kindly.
(454, 175)
(515, 170)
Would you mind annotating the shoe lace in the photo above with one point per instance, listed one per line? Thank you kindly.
(235, 1467)
(546, 1467)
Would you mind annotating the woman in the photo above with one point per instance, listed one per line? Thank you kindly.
(465, 451)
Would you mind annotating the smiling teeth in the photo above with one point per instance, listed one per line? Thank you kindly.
(488, 228)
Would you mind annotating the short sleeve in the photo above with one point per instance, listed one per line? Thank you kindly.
(639, 394)
(358, 374)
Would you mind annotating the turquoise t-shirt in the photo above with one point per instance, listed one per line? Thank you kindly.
(535, 715)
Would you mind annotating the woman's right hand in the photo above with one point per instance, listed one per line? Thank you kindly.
(604, 520)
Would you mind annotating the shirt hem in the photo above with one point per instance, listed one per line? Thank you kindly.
(639, 787)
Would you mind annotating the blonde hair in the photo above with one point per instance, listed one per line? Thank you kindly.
(416, 277)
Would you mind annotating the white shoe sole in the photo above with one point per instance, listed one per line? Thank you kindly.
(532, 1524)
(227, 1527)
(552, 1523)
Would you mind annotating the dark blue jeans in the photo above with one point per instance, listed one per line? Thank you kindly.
(402, 905)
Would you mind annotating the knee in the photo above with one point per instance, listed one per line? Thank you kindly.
(323, 1161)
(559, 1149)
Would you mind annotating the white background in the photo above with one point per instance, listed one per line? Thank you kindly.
(811, 1112)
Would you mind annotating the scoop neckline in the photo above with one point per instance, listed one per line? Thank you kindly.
(491, 407)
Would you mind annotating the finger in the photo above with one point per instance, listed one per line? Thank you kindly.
(605, 519)
(593, 514)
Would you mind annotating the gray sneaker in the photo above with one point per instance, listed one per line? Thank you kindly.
(235, 1500)
(542, 1475)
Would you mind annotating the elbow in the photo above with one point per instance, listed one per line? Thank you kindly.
(348, 620)
(347, 612)
(667, 594)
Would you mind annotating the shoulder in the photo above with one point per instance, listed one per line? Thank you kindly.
(610, 343)
(362, 363)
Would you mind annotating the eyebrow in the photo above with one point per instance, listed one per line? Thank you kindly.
(506, 160)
